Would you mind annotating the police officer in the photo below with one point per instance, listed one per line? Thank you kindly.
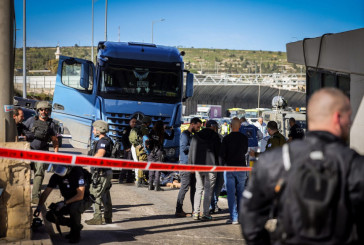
(39, 131)
(341, 215)
(74, 188)
(295, 131)
(101, 177)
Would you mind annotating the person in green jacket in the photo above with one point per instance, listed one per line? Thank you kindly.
(276, 138)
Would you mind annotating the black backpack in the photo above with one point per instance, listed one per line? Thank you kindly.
(309, 197)
(114, 150)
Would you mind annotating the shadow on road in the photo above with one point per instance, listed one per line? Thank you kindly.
(116, 208)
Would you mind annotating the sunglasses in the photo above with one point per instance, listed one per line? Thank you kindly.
(43, 109)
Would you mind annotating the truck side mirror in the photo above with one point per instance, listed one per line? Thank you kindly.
(189, 85)
(84, 81)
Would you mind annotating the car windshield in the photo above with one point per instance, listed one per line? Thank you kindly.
(251, 114)
(143, 84)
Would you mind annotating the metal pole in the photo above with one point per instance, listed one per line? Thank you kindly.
(24, 51)
(154, 21)
(152, 30)
(92, 33)
(105, 20)
(7, 123)
(259, 97)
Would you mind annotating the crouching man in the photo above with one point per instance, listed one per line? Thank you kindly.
(74, 188)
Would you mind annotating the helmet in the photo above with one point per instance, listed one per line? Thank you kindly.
(44, 104)
(146, 119)
(101, 126)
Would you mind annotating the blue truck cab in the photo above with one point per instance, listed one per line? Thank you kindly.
(130, 79)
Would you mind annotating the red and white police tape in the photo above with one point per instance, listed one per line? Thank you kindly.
(81, 160)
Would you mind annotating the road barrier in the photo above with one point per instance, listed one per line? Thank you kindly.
(81, 160)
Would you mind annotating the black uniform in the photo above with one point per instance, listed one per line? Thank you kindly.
(68, 185)
(127, 174)
(348, 206)
(296, 132)
(20, 127)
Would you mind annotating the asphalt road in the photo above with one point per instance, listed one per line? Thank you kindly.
(147, 217)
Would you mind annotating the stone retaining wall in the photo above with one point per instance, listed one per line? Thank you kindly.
(15, 209)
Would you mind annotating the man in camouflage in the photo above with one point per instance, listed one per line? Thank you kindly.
(276, 138)
(136, 139)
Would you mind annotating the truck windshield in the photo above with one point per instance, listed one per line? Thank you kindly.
(142, 84)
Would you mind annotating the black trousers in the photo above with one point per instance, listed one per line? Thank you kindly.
(188, 179)
(74, 210)
(156, 155)
(127, 174)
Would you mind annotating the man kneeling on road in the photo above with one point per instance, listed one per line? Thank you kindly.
(74, 188)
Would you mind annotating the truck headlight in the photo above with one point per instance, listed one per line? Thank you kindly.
(170, 152)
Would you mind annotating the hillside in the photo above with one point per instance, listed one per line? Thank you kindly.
(196, 60)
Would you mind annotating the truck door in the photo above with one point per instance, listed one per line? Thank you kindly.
(74, 98)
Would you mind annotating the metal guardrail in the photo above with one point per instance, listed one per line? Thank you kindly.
(290, 81)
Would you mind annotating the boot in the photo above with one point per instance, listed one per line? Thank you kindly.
(150, 187)
(94, 221)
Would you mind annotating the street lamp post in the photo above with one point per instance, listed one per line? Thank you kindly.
(155, 21)
(24, 51)
(106, 20)
(92, 33)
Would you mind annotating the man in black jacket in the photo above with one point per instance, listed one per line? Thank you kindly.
(340, 220)
(204, 150)
(233, 149)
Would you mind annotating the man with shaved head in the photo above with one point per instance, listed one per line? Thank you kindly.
(314, 188)
(233, 149)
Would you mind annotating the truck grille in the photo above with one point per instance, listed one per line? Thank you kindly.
(119, 121)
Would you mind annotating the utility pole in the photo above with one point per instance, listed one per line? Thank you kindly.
(153, 22)
(92, 33)
(119, 35)
(105, 20)
(7, 123)
(24, 51)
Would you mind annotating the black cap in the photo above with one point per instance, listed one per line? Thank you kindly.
(211, 123)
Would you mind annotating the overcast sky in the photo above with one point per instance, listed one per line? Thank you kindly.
(234, 24)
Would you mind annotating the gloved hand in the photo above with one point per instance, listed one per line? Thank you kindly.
(60, 205)
(37, 211)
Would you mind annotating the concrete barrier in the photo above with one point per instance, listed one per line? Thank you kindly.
(15, 208)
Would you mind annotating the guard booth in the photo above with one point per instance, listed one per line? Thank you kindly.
(335, 60)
